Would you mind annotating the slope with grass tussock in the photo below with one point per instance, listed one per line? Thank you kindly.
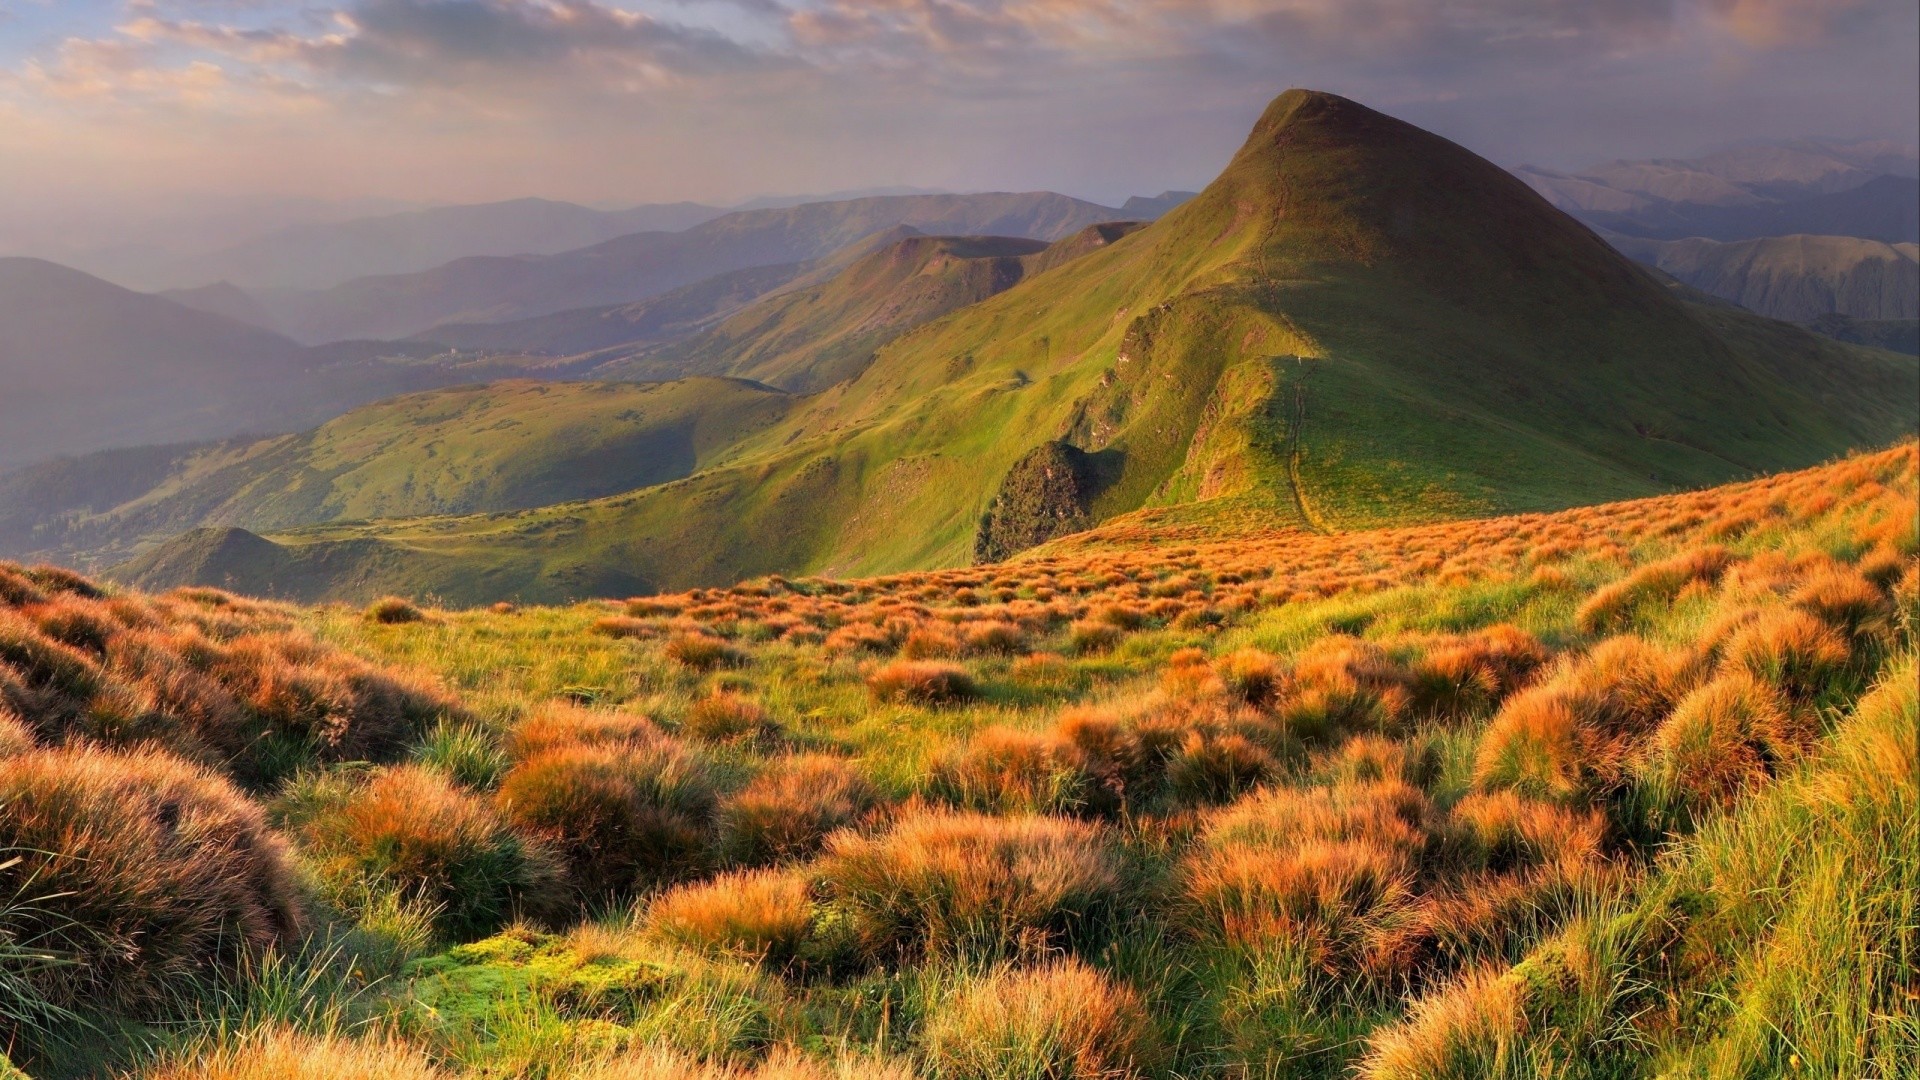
(1591, 793)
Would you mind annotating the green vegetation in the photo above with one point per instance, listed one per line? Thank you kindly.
(1620, 791)
(498, 446)
(1345, 330)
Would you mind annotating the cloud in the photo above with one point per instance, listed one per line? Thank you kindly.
(632, 99)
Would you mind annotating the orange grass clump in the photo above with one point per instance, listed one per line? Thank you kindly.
(276, 1053)
(787, 811)
(140, 870)
(761, 915)
(1064, 1021)
(921, 682)
(415, 831)
(945, 883)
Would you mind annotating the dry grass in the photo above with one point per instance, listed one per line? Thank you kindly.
(947, 883)
(921, 682)
(276, 1053)
(764, 916)
(622, 817)
(394, 611)
(140, 872)
(788, 811)
(1061, 1021)
(1469, 1031)
(411, 829)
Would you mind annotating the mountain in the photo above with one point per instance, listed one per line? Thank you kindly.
(1797, 278)
(1358, 323)
(631, 268)
(1866, 190)
(318, 256)
(86, 365)
(498, 446)
(1150, 208)
(808, 338)
(668, 317)
(516, 445)
(225, 299)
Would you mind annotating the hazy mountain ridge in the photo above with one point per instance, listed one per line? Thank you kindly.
(86, 365)
(643, 265)
(809, 337)
(517, 445)
(1798, 278)
(1864, 189)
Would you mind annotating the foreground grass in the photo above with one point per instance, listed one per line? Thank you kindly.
(1622, 791)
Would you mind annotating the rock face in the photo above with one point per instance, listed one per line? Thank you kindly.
(1047, 494)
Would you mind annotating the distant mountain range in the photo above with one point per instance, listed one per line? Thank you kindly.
(1358, 323)
(1866, 190)
(86, 365)
(1798, 278)
(647, 264)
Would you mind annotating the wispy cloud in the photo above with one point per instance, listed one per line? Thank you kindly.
(721, 97)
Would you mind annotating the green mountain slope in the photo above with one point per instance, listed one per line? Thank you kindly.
(1358, 323)
(809, 338)
(500, 446)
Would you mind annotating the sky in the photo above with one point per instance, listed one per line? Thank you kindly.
(174, 108)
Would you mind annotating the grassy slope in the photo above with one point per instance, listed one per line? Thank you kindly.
(807, 339)
(1409, 331)
(1786, 917)
(497, 446)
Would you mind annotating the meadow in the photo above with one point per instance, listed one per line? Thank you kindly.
(1628, 790)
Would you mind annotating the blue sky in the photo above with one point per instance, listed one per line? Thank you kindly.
(134, 103)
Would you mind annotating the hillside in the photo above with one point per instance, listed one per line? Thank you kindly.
(810, 337)
(631, 268)
(1626, 790)
(1345, 330)
(668, 317)
(88, 366)
(498, 446)
(1796, 278)
(441, 453)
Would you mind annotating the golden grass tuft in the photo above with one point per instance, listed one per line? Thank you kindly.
(1061, 1021)
(764, 916)
(1723, 740)
(277, 1053)
(724, 716)
(787, 811)
(703, 652)
(1317, 868)
(921, 682)
(1010, 771)
(394, 611)
(1791, 649)
(623, 817)
(949, 883)
(1469, 1030)
(142, 871)
(559, 723)
(412, 829)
